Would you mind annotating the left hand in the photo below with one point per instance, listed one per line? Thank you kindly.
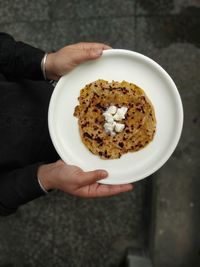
(73, 180)
(67, 58)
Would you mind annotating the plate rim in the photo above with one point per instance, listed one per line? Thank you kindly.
(179, 128)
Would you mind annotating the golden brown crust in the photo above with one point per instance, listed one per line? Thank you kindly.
(140, 121)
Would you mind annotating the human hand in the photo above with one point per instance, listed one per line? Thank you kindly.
(75, 181)
(67, 58)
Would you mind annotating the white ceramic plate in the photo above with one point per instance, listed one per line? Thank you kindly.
(118, 65)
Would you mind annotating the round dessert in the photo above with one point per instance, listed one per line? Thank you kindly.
(114, 118)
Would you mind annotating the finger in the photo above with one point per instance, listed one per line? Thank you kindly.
(88, 178)
(110, 190)
(92, 45)
(87, 51)
(90, 53)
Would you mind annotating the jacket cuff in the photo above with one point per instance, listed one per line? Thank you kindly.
(30, 185)
(28, 59)
(20, 186)
(19, 60)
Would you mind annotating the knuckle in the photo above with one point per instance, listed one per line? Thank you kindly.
(59, 162)
(89, 52)
(79, 179)
(99, 174)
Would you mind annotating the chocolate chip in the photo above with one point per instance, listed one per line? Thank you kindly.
(121, 144)
(87, 135)
(99, 140)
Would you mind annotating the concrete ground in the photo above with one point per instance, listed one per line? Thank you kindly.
(162, 214)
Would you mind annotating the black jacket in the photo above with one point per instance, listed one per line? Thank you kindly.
(24, 137)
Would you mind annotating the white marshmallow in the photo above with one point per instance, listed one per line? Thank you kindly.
(119, 127)
(109, 126)
(112, 110)
(117, 117)
(123, 110)
(120, 114)
(108, 117)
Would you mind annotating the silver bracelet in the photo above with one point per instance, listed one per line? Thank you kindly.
(43, 62)
(41, 186)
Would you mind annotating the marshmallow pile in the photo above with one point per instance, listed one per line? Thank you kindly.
(112, 115)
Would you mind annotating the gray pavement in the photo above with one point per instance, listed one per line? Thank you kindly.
(162, 213)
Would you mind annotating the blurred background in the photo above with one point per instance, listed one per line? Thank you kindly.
(160, 219)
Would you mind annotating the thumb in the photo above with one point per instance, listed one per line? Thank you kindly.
(93, 176)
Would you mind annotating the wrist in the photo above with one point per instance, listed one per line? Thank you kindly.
(50, 67)
(45, 178)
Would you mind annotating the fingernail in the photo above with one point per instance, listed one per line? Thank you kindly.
(104, 174)
(98, 52)
(130, 187)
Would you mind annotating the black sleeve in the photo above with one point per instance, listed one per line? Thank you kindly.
(18, 187)
(19, 60)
